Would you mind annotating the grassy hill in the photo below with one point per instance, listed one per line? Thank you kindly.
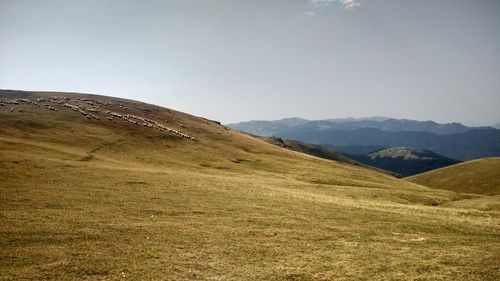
(95, 187)
(480, 176)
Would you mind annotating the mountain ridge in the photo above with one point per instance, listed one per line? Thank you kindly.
(404, 161)
(382, 123)
(453, 141)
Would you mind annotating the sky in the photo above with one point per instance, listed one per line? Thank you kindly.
(232, 61)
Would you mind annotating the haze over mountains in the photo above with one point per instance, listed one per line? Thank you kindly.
(268, 128)
(361, 136)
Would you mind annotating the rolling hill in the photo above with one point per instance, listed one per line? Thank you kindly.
(101, 188)
(405, 161)
(480, 176)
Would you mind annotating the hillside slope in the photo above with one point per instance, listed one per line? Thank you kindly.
(404, 161)
(319, 151)
(480, 176)
(100, 188)
(311, 149)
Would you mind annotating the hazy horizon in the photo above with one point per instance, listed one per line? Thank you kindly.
(354, 118)
(236, 61)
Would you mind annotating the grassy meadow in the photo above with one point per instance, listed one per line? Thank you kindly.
(95, 200)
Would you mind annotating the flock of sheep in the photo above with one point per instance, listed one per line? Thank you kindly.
(91, 109)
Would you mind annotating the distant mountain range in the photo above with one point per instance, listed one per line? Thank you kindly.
(271, 128)
(268, 128)
(364, 135)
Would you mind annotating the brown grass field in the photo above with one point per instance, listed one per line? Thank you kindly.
(85, 199)
(480, 176)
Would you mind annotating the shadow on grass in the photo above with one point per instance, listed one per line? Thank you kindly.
(87, 158)
(89, 155)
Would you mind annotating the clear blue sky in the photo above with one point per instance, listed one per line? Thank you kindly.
(240, 60)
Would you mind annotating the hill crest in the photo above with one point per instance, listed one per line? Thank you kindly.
(480, 176)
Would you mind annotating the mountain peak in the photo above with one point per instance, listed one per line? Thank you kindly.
(404, 152)
(405, 161)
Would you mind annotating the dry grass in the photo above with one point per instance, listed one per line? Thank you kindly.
(480, 176)
(147, 205)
